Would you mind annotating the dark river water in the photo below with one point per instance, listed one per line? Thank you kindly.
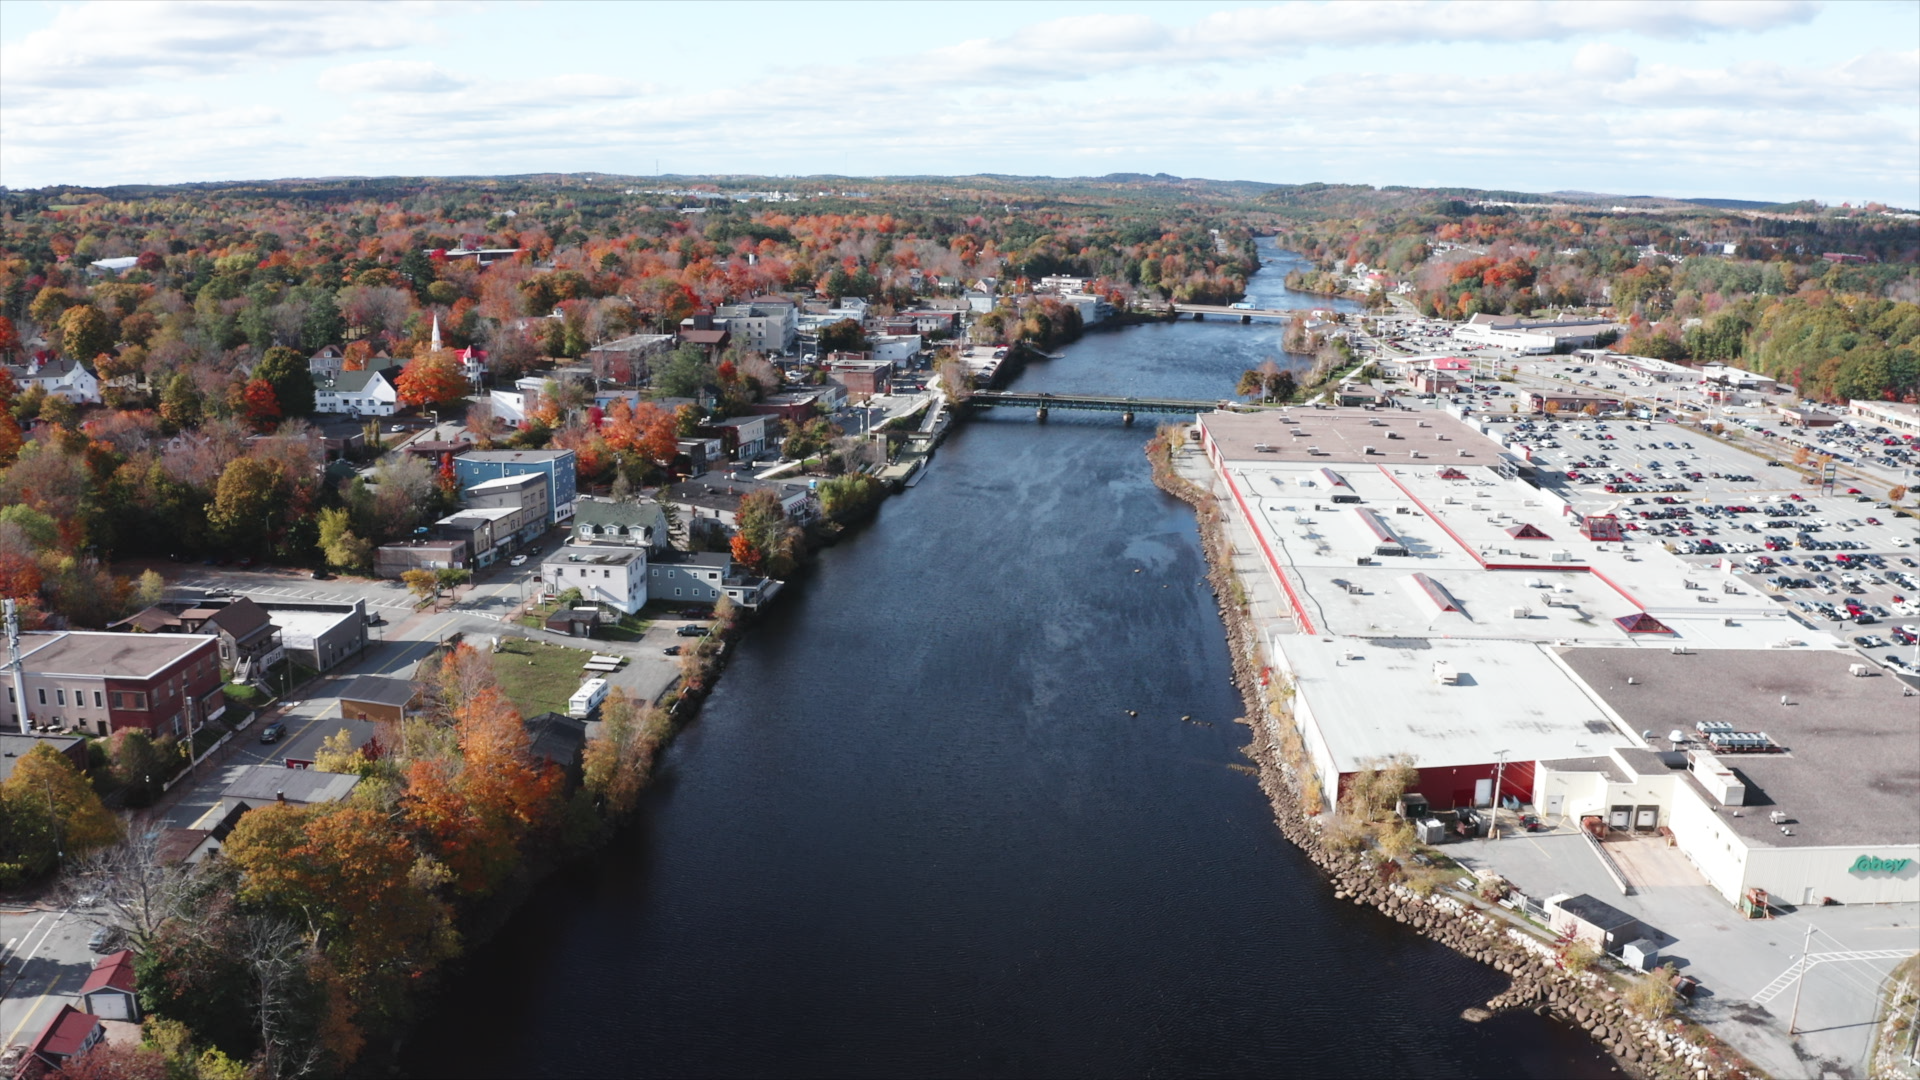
(915, 831)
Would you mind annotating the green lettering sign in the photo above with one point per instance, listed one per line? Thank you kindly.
(1870, 865)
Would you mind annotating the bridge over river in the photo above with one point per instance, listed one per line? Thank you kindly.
(1127, 407)
(1245, 314)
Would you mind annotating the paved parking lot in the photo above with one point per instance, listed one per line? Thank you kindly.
(1734, 958)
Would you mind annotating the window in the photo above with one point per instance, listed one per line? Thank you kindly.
(97, 703)
(43, 694)
(606, 573)
(60, 697)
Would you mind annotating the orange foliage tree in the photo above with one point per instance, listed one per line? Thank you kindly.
(346, 871)
(430, 378)
(476, 812)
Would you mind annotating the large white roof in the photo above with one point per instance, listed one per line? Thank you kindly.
(1371, 698)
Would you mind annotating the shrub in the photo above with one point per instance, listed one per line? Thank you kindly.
(1652, 995)
(1578, 956)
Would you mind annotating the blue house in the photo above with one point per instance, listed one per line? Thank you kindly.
(479, 466)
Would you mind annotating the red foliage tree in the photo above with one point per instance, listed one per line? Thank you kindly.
(261, 405)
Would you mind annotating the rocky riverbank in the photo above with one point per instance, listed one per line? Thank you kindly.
(1664, 1049)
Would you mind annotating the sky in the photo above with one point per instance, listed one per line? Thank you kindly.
(1773, 100)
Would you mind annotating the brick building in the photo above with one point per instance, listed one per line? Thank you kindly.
(100, 682)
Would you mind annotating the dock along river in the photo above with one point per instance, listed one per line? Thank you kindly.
(918, 830)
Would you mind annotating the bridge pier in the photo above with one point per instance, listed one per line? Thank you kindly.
(1199, 316)
(1245, 319)
(1040, 414)
(1127, 419)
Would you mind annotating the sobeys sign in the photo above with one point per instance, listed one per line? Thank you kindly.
(1871, 865)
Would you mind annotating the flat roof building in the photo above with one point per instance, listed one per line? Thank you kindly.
(1893, 415)
(557, 466)
(1825, 806)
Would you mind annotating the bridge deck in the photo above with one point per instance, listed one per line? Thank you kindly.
(1223, 309)
(1092, 402)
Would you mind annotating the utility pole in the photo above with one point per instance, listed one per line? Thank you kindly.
(1499, 773)
(13, 663)
(1806, 968)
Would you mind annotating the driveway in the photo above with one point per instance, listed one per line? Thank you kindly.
(1735, 958)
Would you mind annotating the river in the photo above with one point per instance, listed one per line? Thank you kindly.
(916, 832)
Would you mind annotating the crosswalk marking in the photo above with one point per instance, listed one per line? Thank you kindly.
(1779, 985)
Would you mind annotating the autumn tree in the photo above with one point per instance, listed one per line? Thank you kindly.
(48, 811)
(484, 425)
(286, 371)
(245, 501)
(260, 405)
(422, 583)
(342, 549)
(475, 811)
(347, 872)
(84, 332)
(431, 378)
(1896, 493)
(180, 403)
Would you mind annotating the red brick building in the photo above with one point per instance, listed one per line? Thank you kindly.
(99, 683)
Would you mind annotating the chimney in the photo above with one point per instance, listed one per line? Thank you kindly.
(280, 797)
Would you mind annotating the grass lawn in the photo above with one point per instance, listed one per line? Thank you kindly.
(629, 628)
(538, 677)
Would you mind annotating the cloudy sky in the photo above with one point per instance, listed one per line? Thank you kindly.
(1775, 100)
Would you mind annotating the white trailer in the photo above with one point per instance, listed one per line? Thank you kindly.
(586, 699)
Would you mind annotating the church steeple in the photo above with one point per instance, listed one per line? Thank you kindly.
(436, 332)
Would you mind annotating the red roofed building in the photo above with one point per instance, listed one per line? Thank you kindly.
(108, 991)
(1452, 363)
(68, 1035)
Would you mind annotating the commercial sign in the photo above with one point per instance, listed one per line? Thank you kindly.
(1868, 864)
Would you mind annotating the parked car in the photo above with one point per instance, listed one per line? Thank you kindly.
(672, 650)
(104, 939)
(272, 732)
(692, 630)
(517, 560)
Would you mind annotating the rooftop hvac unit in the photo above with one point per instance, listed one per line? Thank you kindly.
(1368, 450)
(1463, 452)
(1857, 670)
(1561, 556)
(1523, 613)
(1444, 674)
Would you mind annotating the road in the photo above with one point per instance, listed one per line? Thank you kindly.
(46, 961)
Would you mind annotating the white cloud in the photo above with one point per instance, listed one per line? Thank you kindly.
(391, 76)
(1605, 61)
(117, 42)
(1084, 45)
(1090, 93)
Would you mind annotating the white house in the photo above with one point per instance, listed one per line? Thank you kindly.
(65, 378)
(516, 405)
(359, 393)
(604, 574)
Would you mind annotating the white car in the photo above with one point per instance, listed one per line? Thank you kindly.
(517, 560)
